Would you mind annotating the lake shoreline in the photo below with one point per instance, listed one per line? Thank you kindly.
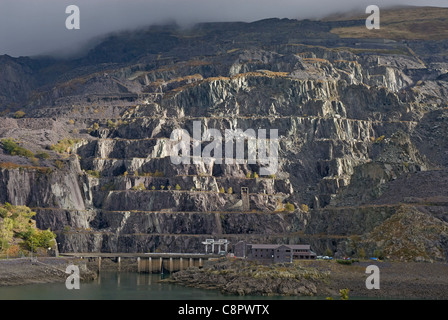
(24, 271)
(398, 280)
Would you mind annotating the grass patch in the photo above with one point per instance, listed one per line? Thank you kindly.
(421, 23)
(12, 166)
(93, 173)
(12, 148)
(64, 146)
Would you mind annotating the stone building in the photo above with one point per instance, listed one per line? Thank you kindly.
(273, 252)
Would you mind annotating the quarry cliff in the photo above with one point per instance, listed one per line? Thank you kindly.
(361, 123)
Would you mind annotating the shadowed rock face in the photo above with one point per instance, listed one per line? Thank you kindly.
(360, 125)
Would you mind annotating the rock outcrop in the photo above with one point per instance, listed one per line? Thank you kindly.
(240, 277)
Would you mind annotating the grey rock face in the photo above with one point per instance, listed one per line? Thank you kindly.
(353, 123)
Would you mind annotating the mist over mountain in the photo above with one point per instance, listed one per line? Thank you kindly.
(30, 27)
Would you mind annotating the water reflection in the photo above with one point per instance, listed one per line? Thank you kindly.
(110, 286)
(117, 286)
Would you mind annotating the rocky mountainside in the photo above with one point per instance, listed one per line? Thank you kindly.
(361, 126)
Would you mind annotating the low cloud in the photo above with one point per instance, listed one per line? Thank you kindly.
(30, 27)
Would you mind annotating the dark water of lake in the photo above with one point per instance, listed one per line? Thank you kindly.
(117, 286)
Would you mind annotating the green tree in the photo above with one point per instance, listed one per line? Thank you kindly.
(158, 174)
(343, 293)
(178, 187)
(289, 207)
(3, 212)
(34, 239)
(379, 140)
(378, 254)
(17, 223)
(139, 187)
(111, 124)
(6, 231)
(361, 253)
